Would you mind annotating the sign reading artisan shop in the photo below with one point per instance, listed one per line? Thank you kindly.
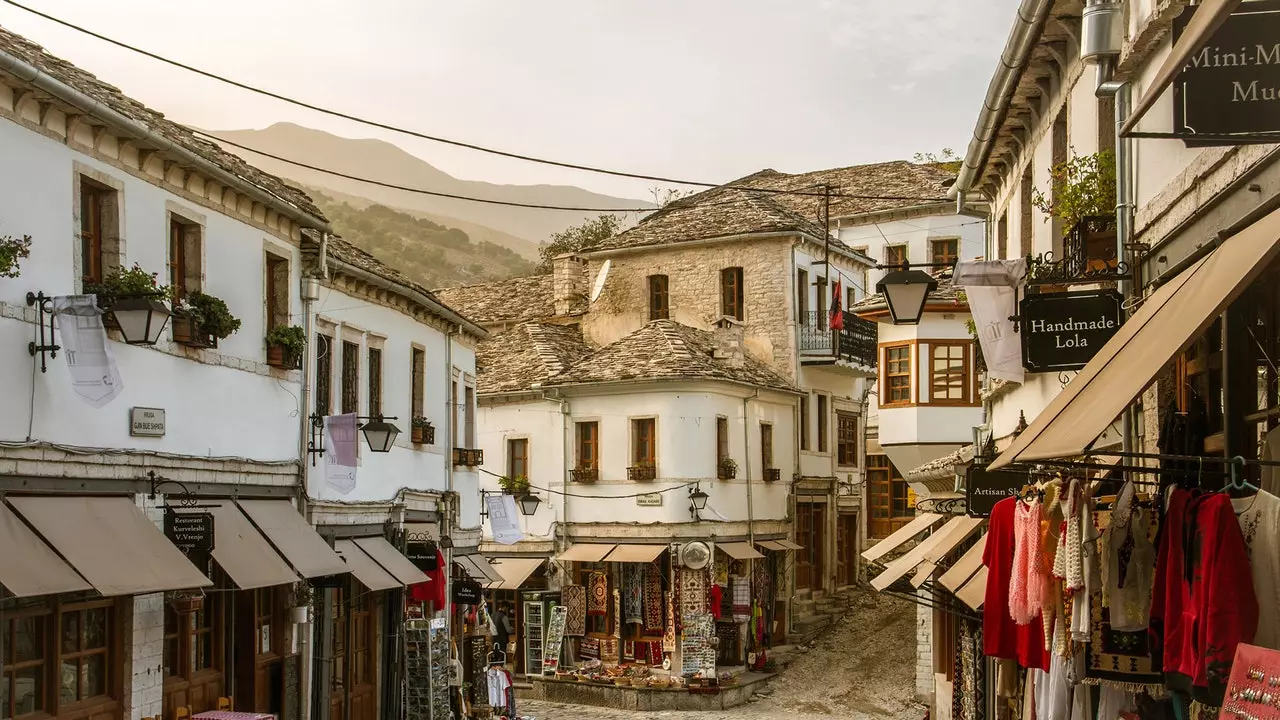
(1232, 84)
(1063, 331)
(984, 488)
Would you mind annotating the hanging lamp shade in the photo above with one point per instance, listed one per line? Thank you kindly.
(905, 291)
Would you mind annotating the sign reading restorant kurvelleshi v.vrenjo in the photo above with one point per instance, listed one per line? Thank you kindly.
(1063, 331)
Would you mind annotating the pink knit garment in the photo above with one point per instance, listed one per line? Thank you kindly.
(1026, 586)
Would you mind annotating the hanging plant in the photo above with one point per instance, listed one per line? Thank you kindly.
(209, 313)
(1082, 186)
(131, 282)
(12, 252)
(514, 485)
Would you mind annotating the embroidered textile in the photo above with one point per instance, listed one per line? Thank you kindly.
(574, 598)
(653, 607)
(617, 613)
(741, 588)
(589, 647)
(1026, 588)
(1117, 658)
(598, 594)
(694, 590)
(628, 651)
(669, 632)
(633, 592)
(609, 649)
(1131, 560)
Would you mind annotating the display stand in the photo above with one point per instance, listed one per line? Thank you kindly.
(1253, 691)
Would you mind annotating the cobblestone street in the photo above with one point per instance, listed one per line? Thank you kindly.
(863, 669)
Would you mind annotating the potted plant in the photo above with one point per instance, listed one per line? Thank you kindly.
(727, 469)
(1082, 197)
(123, 283)
(585, 473)
(285, 346)
(422, 432)
(201, 320)
(642, 470)
(517, 485)
(12, 252)
(300, 610)
(186, 603)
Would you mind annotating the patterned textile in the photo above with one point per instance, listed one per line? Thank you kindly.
(589, 647)
(628, 651)
(1121, 660)
(694, 588)
(760, 582)
(617, 613)
(741, 598)
(652, 600)
(633, 592)
(574, 597)
(669, 632)
(609, 649)
(698, 656)
(598, 594)
(641, 652)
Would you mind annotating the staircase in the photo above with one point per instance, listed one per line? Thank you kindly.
(817, 612)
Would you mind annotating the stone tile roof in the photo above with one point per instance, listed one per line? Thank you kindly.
(515, 300)
(667, 350)
(902, 179)
(527, 354)
(940, 473)
(112, 98)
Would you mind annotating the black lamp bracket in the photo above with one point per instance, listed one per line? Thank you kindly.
(187, 500)
(45, 344)
(315, 445)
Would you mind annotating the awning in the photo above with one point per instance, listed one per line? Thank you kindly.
(924, 557)
(294, 537)
(243, 552)
(585, 552)
(633, 553)
(392, 560)
(902, 535)
(974, 592)
(1165, 324)
(965, 568)
(779, 545)
(478, 568)
(739, 550)
(514, 571)
(1209, 16)
(111, 543)
(369, 573)
(28, 567)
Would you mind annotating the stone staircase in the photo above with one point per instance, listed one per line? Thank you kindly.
(817, 612)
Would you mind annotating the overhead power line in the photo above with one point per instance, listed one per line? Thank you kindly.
(434, 138)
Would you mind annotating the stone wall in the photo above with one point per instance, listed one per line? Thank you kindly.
(924, 653)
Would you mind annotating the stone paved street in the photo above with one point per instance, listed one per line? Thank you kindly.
(862, 669)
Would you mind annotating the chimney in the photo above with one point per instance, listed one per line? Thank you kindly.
(568, 283)
(728, 337)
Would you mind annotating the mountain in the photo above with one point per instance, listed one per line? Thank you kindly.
(382, 161)
(431, 254)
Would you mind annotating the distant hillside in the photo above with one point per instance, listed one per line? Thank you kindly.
(387, 163)
(430, 253)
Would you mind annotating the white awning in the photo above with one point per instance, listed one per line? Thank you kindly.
(782, 545)
(919, 524)
(928, 553)
(634, 553)
(739, 550)
(514, 571)
(585, 552)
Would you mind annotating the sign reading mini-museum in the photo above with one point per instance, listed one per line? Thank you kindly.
(1231, 86)
(1063, 331)
(984, 488)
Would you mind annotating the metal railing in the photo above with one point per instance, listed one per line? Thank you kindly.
(856, 343)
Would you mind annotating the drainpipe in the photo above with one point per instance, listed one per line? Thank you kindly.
(1122, 91)
(450, 504)
(310, 293)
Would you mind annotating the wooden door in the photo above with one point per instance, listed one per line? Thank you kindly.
(363, 665)
(846, 549)
(804, 538)
(819, 546)
(193, 658)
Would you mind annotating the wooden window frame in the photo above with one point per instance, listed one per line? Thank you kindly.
(350, 381)
(1026, 234)
(186, 634)
(644, 441)
(587, 440)
(896, 255)
(518, 457)
(469, 414)
(722, 439)
(847, 439)
(732, 295)
(1002, 236)
(824, 422)
(51, 618)
(802, 295)
(276, 272)
(186, 240)
(823, 299)
(967, 375)
(417, 381)
(886, 397)
(884, 484)
(374, 381)
(766, 446)
(99, 229)
(659, 297)
(951, 257)
(324, 373)
(804, 422)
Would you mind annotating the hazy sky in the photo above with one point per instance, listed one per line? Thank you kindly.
(701, 89)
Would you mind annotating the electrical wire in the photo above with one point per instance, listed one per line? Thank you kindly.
(598, 497)
(423, 136)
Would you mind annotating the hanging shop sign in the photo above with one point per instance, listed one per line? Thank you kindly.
(1231, 86)
(984, 488)
(423, 555)
(466, 592)
(1063, 331)
(190, 532)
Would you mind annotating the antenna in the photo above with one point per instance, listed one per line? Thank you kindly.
(600, 278)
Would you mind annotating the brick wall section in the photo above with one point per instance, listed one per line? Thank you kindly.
(693, 276)
(144, 632)
(50, 462)
(924, 653)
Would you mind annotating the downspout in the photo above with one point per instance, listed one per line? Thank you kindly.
(310, 293)
(1122, 91)
(451, 505)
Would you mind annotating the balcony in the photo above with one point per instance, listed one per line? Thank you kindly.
(855, 344)
(466, 457)
(772, 474)
(1089, 256)
(584, 474)
(637, 473)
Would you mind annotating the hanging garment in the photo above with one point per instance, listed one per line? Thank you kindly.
(1026, 587)
(716, 599)
(1271, 451)
(499, 681)
(1259, 518)
(1001, 636)
(1053, 692)
(1166, 592)
(1183, 434)
(1114, 701)
(1130, 563)
(741, 587)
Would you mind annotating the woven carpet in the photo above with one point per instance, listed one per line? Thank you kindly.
(574, 598)
(598, 594)
(652, 600)
(633, 593)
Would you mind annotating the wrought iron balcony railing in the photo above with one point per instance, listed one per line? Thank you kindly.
(856, 343)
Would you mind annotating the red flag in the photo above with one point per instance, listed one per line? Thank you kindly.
(837, 315)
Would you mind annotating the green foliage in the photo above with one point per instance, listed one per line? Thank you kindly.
(12, 252)
(947, 159)
(421, 423)
(131, 282)
(579, 238)
(209, 313)
(431, 254)
(514, 485)
(291, 339)
(1081, 186)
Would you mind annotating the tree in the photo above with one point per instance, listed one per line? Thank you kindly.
(663, 197)
(579, 238)
(947, 159)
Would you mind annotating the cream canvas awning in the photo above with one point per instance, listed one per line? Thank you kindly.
(514, 571)
(392, 560)
(111, 543)
(294, 537)
(900, 537)
(585, 552)
(1167, 322)
(1209, 16)
(779, 545)
(479, 569)
(739, 550)
(369, 573)
(974, 592)
(633, 553)
(28, 567)
(243, 553)
(924, 557)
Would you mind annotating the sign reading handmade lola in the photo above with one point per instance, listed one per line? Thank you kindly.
(1063, 331)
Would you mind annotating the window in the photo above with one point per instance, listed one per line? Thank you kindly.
(265, 629)
(804, 422)
(184, 257)
(888, 497)
(518, 458)
(453, 409)
(83, 663)
(375, 382)
(324, 374)
(659, 300)
(418, 366)
(588, 434)
(851, 292)
(731, 293)
(822, 300)
(722, 440)
(99, 230)
(897, 375)
(469, 416)
(945, 250)
(766, 446)
(1060, 150)
(1024, 205)
(846, 440)
(189, 641)
(643, 451)
(949, 373)
(1002, 236)
(802, 295)
(895, 255)
(350, 378)
(277, 292)
(25, 666)
(822, 423)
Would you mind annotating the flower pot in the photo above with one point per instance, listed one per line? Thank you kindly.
(422, 435)
(187, 605)
(187, 331)
(278, 356)
(299, 615)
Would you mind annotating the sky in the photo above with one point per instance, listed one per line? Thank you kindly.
(705, 90)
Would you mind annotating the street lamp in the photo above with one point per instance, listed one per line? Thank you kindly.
(905, 291)
(380, 434)
(141, 319)
(697, 502)
(528, 503)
